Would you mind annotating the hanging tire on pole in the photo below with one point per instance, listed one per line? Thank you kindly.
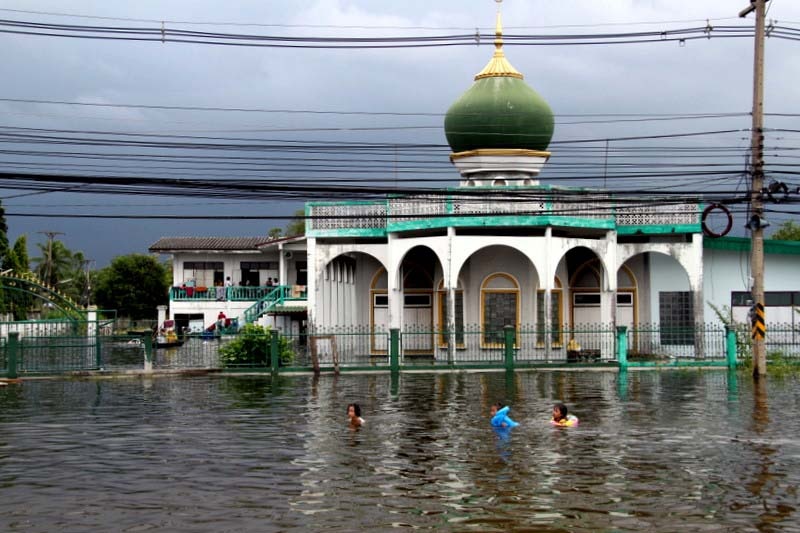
(716, 220)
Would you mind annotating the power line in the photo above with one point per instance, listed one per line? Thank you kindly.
(166, 34)
(350, 27)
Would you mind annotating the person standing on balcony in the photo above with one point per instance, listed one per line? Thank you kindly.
(228, 286)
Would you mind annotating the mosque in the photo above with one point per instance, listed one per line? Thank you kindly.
(499, 249)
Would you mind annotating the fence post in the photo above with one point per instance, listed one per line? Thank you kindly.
(622, 346)
(730, 346)
(508, 338)
(148, 353)
(98, 348)
(394, 349)
(12, 349)
(275, 357)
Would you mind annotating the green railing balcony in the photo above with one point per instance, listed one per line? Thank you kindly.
(235, 294)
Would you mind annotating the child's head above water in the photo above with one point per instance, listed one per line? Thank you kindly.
(496, 407)
(559, 411)
(353, 410)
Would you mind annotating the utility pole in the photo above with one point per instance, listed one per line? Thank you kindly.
(87, 288)
(757, 223)
(49, 264)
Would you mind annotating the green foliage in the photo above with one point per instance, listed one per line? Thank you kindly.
(778, 364)
(252, 347)
(55, 265)
(5, 305)
(297, 226)
(788, 231)
(21, 303)
(19, 255)
(744, 343)
(134, 285)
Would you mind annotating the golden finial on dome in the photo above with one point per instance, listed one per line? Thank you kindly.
(498, 66)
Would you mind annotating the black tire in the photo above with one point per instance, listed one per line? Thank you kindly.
(710, 209)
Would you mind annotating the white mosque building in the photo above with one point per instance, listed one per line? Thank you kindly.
(455, 267)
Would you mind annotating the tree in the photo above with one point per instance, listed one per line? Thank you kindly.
(19, 255)
(788, 231)
(297, 226)
(134, 285)
(21, 303)
(4, 257)
(56, 263)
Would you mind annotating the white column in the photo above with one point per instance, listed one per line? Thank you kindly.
(395, 287)
(162, 314)
(608, 297)
(696, 286)
(281, 265)
(314, 275)
(450, 283)
(91, 320)
(549, 275)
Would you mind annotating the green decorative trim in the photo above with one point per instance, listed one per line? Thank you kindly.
(742, 244)
(348, 232)
(499, 221)
(659, 229)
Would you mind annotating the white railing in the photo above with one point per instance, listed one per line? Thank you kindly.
(646, 215)
(422, 207)
(416, 207)
(348, 216)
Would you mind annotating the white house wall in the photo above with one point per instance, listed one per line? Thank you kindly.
(340, 301)
(729, 271)
(231, 264)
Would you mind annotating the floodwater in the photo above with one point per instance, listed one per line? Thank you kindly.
(655, 451)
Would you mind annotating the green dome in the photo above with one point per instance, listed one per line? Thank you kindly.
(499, 112)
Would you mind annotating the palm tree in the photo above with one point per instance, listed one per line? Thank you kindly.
(56, 264)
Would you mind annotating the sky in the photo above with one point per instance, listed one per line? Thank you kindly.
(400, 96)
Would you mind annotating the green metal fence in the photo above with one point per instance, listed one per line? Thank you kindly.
(66, 346)
(4, 355)
(192, 351)
(652, 343)
(71, 353)
(341, 346)
(783, 340)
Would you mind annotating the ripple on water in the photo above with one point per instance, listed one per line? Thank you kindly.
(671, 451)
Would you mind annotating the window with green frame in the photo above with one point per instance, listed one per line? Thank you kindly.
(499, 311)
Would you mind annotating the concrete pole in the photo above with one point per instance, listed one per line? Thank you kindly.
(756, 204)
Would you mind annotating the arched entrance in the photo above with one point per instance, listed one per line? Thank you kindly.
(29, 284)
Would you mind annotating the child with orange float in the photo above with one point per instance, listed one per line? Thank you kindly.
(561, 416)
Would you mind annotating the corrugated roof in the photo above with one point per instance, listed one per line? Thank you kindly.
(170, 244)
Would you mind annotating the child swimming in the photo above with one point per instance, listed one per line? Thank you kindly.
(500, 418)
(354, 414)
(561, 416)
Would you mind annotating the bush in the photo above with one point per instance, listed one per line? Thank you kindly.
(252, 347)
